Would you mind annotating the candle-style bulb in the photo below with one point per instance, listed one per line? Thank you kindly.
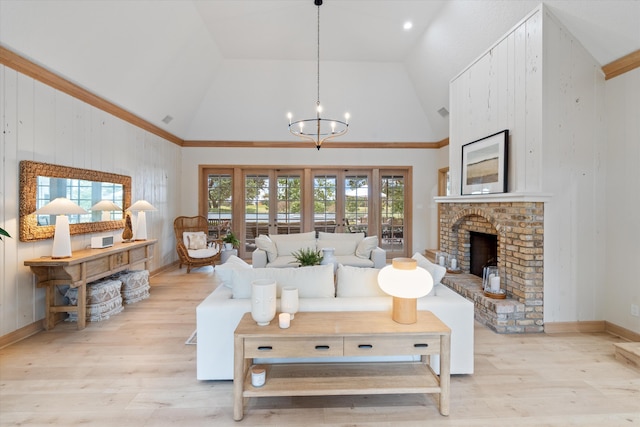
(346, 117)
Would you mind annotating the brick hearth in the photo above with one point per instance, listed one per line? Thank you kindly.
(520, 230)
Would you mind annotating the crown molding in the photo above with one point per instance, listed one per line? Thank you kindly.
(41, 74)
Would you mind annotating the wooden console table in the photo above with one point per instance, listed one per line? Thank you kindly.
(317, 334)
(82, 267)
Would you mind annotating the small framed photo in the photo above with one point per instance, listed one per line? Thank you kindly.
(484, 164)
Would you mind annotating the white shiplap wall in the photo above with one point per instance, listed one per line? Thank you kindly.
(541, 84)
(42, 124)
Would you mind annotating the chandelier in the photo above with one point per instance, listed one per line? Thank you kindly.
(318, 130)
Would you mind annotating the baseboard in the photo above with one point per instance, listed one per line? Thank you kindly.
(622, 332)
(591, 326)
(22, 333)
(564, 327)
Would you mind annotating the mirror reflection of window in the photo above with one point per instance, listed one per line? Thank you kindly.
(82, 192)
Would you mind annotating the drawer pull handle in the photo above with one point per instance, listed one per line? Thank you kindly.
(421, 345)
(322, 347)
(265, 348)
(365, 346)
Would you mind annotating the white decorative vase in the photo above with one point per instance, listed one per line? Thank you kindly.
(289, 301)
(328, 257)
(228, 246)
(263, 301)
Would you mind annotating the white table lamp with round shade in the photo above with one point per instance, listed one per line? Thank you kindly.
(405, 282)
(106, 206)
(61, 207)
(141, 206)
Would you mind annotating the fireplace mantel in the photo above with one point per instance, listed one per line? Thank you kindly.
(496, 198)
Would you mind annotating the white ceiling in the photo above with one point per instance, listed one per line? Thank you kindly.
(231, 69)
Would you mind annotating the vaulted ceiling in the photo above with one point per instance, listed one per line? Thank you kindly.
(231, 69)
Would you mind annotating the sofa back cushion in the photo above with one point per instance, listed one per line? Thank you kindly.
(342, 246)
(224, 272)
(357, 237)
(312, 282)
(286, 244)
(356, 282)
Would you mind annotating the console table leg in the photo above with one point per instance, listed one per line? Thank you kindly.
(82, 306)
(49, 316)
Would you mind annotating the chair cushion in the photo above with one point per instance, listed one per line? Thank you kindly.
(355, 282)
(203, 253)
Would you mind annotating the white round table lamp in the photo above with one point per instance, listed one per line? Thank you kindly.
(141, 206)
(405, 282)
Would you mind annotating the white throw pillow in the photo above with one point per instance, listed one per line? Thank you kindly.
(356, 282)
(224, 271)
(312, 282)
(187, 235)
(266, 244)
(437, 271)
(365, 247)
(342, 247)
(197, 241)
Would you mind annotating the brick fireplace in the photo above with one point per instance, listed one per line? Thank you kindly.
(519, 227)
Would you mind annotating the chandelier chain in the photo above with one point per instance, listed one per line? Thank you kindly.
(318, 58)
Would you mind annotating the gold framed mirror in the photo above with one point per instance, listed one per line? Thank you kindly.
(32, 173)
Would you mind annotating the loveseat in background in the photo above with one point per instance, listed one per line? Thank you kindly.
(353, 249)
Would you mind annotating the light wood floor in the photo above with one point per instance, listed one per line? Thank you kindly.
(135, 370)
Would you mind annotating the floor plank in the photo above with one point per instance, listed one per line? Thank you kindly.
(135, 370)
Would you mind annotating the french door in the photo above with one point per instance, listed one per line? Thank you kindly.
(272, 203)
(254, 201)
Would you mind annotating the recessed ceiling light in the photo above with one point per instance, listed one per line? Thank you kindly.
(167, 119)
(407, 25)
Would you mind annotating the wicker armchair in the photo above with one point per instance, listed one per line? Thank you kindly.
(184, 224)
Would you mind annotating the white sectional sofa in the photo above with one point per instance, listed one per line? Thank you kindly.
(353, 249)
(355, 289)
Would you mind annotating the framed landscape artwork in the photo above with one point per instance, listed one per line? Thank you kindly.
(484, 164)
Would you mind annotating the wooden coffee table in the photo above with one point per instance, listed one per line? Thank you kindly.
(319, 334)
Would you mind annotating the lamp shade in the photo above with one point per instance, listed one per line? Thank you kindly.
(141, 206)
(105, 205)
(404, 279)
(60, 206)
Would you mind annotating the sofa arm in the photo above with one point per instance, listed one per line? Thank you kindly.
(259, 258)
(379, 257)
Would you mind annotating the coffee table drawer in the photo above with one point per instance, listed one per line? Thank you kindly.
(293, 347)
(391, 346)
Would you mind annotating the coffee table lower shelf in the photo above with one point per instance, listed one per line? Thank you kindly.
(324, 379)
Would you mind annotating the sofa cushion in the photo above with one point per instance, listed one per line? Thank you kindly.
(341, 246)
(284, 261)
(366, 245)
(355, 261)
(266, 244)
(357, 237)
(288, 243)
(437, 271)
(312, 282)
(355, 282)
(224, 271)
